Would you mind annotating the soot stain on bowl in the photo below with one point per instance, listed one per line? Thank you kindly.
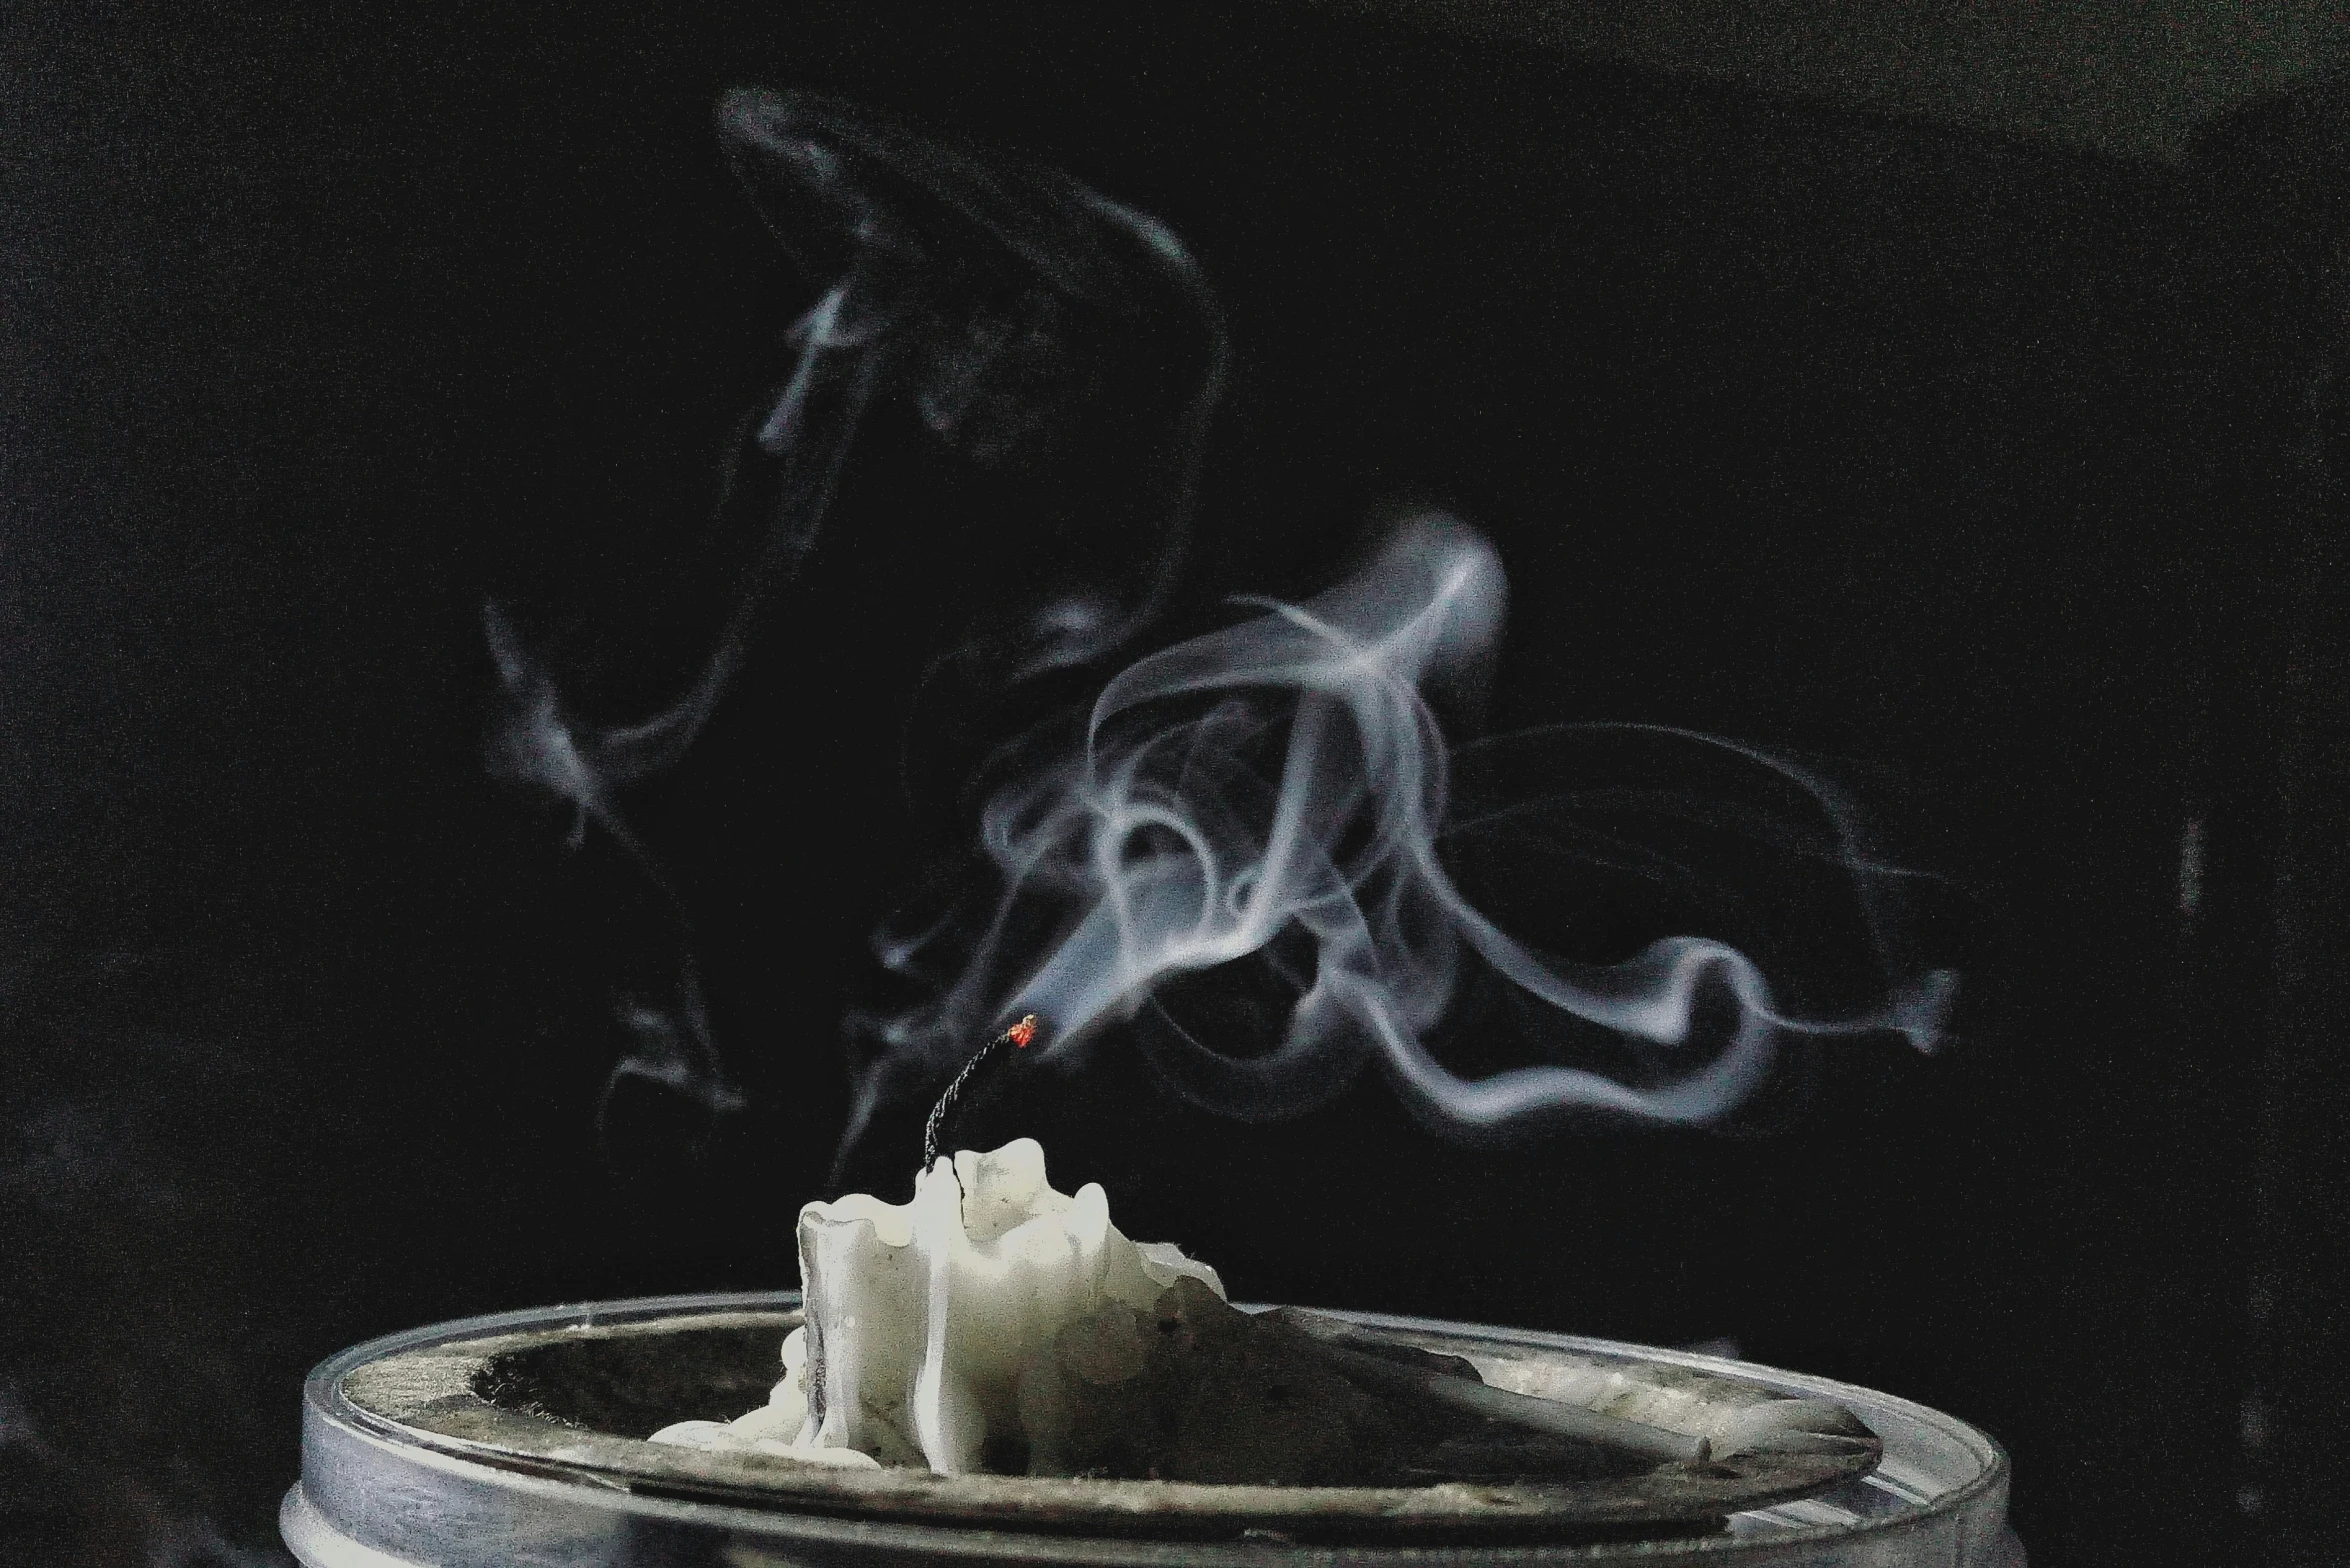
(573, 1400)
(634, 1386)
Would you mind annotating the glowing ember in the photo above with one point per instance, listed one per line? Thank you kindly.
(1018, 1035)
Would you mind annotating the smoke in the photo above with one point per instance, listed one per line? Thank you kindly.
(1266, 809)
(1275, 795)
(991, 297)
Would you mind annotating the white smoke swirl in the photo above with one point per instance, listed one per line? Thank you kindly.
(1168, 849)
(991, 295)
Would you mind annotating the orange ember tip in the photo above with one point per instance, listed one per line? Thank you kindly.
(1019, 1034)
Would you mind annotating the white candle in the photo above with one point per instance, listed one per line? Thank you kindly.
(926, 1320)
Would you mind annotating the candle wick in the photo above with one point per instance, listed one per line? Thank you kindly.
(1017, 1036)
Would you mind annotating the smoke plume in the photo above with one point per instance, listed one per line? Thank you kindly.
(1267, 808)
(995, 299)
(1274, 796)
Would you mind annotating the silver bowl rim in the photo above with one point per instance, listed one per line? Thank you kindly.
(325, 1399)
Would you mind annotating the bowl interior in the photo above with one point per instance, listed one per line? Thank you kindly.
(633, 1385)
(578, 1400)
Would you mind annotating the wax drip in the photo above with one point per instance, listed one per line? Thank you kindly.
(1016, 1036)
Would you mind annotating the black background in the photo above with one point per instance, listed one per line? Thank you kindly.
(1983, 466)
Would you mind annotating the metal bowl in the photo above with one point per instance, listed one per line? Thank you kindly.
(518, 1440)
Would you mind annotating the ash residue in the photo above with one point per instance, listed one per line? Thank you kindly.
(632, 1385)
(1197, 1390)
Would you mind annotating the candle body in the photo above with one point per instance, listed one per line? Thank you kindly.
(927, 1320)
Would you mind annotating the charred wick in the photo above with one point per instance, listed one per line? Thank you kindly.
(1018, 1036)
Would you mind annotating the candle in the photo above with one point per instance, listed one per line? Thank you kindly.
(931, 1325)
(995, 1325)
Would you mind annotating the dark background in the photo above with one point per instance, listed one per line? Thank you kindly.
(2000, 471)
